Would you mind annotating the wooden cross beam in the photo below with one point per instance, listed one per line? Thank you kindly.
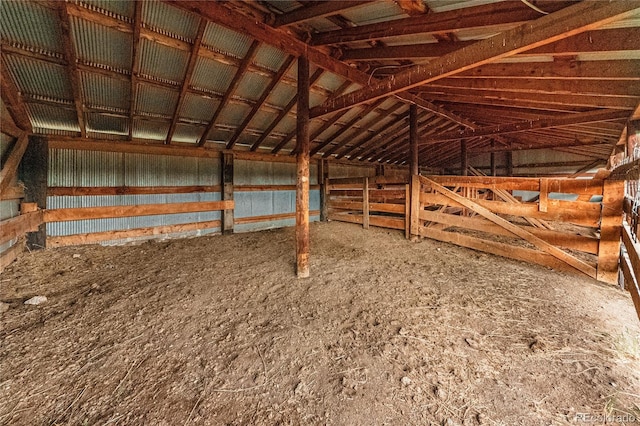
(10, 168)
(567, 22)
(13, 101)
(187, 78)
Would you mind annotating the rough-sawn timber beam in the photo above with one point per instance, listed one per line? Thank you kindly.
(573, 20)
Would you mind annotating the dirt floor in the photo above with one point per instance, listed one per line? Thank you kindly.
(217, 330)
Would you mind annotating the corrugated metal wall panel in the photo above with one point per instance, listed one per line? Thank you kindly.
(337, 170)
(30, 24)
(101, 45)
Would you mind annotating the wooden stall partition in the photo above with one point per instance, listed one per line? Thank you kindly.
(373, 201)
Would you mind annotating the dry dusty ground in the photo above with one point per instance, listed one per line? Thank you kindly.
(217, 330)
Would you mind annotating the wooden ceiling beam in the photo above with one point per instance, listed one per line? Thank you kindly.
(263, 98)
(231, 89)
(605, 40)
(524, 126)
(567, 22)
(72, 61)
(135, 54)
(490, 15)
(191, 65)
(317, 10)
(286, 110)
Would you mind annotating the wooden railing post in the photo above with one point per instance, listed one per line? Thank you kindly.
(610, 231)
(227, 191)
(414, 209)
(365, 203)
(323, 181)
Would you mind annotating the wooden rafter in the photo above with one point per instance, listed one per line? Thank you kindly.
(10, 167)
(13, 101)
(490, 15)
(380, 138)
(231, 89)
(318, 10)
(591, 41)
(193, 58)
(265, 94)
(72, 61)
(285, 111)
(135, 68)
(565, 23)
(524, 126)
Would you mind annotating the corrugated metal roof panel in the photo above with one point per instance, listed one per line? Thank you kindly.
(322, 24)
(281, 95)
(284, 5)
(233, 114)
(124, 8)
(286, 125)
(269, 57)
(226, 41)
(212, 75)
(444, 5)
(50, 117)
(169, 19)
(35, 77)
(98, 44)
(105, 123)
(330, 81)
(252, 85)
(219, 135)
(374, 12)
(147, 129)
(100, 90)
(54, 132)
(315, 99)
(262, 120)
(30, 25)
(162, 61)
(187, 133)
(198, 108)
(156, 100)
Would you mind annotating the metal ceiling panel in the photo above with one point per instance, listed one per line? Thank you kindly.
(50, 117)
(212, 75)
(374, 12)
(164, 62)
(226, 41)
(31, 25)
(262, 120)
(97, 44)
(188, 133)
(35, 77)
(281, 95)
(147, 129)
(105, 123)
(198, 108)
(102, 91)
(269, 57)
(252, 86)
(156, 100)
(233, 114)
(169, 19)
(121, 8)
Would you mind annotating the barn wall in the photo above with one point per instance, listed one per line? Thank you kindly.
(8, 208)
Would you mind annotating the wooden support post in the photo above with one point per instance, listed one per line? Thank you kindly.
(414, 209)
(413, 139)
(509, 162)
(365, 203)
(610, 231)
(407, 211)
(10, 168)
(302, 189)
(323, 176)
(227, 191)
(543, 200)
(464, 158)
(33, 173)
(379, 169)
(493, 159)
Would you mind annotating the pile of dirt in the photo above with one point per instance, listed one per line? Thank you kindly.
(217, 330)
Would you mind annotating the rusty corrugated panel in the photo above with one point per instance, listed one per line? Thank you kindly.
(31, 25)
(97, 44)
(35, 77)
(53, 118)
(156, 100)
(226, 41)
(251, 86)
(119, 8)
(212, 75)
(109, 124)
(162, 61)
(170, 20)
(198, 108)
(102, 91)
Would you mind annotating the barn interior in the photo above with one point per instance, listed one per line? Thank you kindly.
(305, 212)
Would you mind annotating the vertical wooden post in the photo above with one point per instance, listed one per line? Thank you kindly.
(34, 172)
(509, 162)
(493, 159)
(365, 203)
(302, 188)
(323, 176)
(407, 211)
(464, 158)
(610, 231)
(414, 210)
(227, 191)
(413, 139)
(379, 169)
(543, 200)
